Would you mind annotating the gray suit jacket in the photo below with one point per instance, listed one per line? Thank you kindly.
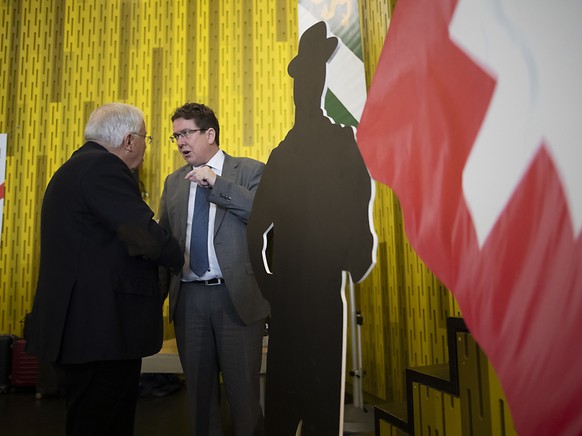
(233, 194)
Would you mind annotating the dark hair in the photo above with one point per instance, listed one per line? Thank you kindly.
(202, 115)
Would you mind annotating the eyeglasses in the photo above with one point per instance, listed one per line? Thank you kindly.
(184, 134)
(147, 138)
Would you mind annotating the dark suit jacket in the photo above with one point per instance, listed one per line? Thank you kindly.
(98, 295)
(233, 194)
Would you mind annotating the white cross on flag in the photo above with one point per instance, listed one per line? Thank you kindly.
(474, 119)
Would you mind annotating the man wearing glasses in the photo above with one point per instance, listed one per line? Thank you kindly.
(215, 303)
(98, 305)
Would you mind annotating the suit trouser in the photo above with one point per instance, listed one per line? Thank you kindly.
(101, 396)
(211, 340)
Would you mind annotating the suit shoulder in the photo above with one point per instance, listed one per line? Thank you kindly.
(92, 161)
(247, 162)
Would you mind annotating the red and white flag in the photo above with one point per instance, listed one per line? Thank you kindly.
(3, 142)
(474, 119)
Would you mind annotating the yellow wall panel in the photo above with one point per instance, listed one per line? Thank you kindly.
(430, 411)
(435, 412)
(452, 415)
(483, 404)
(501, 419)
(473, 387)
(388, 430)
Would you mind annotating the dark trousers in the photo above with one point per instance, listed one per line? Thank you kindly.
(101, 396)
(213, 341)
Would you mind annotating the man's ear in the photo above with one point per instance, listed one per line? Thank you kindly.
(211, 135)
(128, 142)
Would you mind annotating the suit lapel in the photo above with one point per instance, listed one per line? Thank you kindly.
(229, 171)
(182, 193)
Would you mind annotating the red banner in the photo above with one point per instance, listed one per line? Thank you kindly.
(3, 137)
(473, 120)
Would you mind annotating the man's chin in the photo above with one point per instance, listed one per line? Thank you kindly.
(135, 168)
(190, 160)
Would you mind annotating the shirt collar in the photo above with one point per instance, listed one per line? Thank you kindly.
(216, 162)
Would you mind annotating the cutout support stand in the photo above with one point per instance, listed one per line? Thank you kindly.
(358, 417)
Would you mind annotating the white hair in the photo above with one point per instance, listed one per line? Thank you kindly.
(108, 124)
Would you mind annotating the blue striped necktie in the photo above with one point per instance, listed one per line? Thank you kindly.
(199, 237)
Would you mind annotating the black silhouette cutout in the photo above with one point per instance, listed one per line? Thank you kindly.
(311, 215)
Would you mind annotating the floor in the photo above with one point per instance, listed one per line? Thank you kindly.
(21, 414)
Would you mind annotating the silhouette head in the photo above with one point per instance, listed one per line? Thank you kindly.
(315, 49)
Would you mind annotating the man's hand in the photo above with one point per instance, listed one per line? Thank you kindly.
(203, 176)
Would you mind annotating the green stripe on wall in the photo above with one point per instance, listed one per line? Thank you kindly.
(341, 115)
